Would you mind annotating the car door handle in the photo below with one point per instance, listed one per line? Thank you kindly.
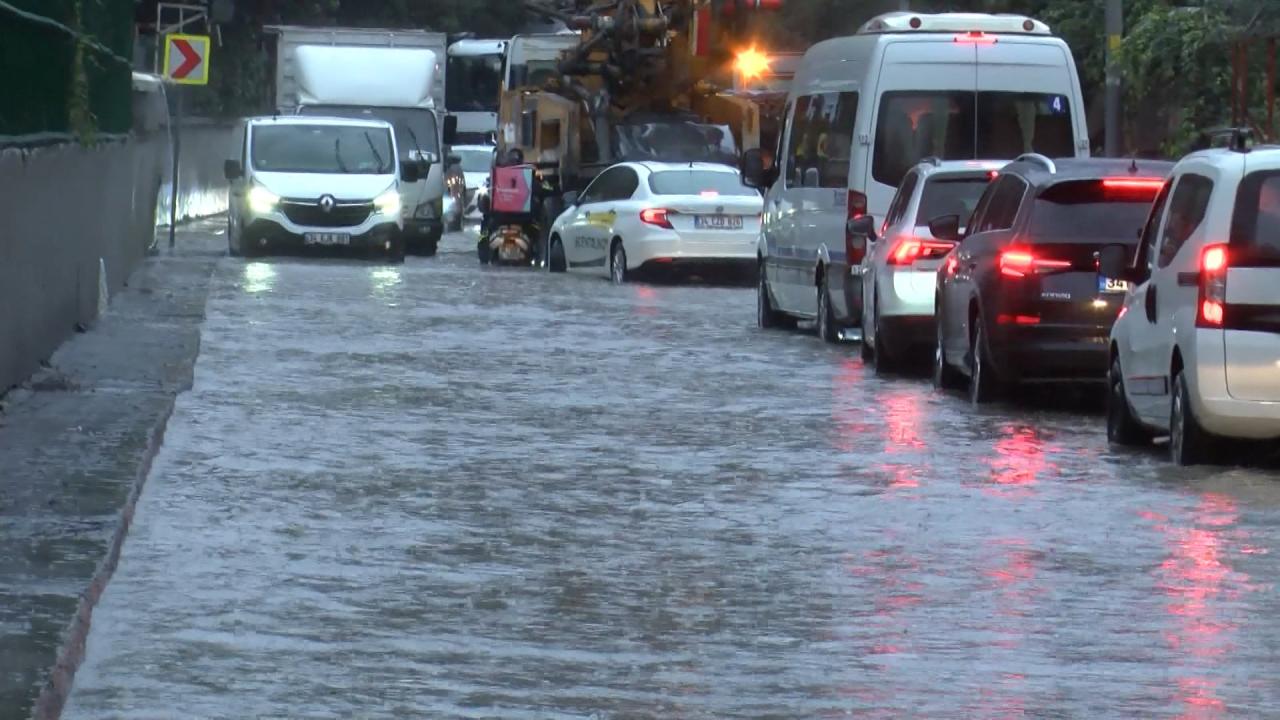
(1149, 302)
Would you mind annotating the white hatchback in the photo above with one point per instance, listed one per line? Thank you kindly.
(899, 271)
(1196, 350)
(638, 216)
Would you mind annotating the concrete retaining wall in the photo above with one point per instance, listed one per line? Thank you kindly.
(67, 210)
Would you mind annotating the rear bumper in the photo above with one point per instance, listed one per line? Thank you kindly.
(699, 264)
(675, 251)
(1216, 410)
(1050, 352)
(907, 293)
(908, 331)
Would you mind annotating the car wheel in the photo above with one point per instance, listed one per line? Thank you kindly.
(1122, 427)
(618, 264)
(1189, 444)
(828, 331)
(233, 242)
(556, 261)
(884, 356)
(766, 317)
(432, 244)
(983, 387)
(945, 377)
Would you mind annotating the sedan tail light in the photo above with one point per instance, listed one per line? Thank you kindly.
(1214, 264)
(856, 207)
(1021, 263)
(659, 217)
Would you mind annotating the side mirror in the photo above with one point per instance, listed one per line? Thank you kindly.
(450, 129)
(571, 198)
(410, 172)
(946, 227)
(233, 170)
(862, 227)
(1113, 263)
(751, 168)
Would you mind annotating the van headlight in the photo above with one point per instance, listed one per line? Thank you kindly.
(388, 203)
(262, 200)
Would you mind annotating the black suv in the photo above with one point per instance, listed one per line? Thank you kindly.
(1020, 297)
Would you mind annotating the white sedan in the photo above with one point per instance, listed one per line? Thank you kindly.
(646, 215)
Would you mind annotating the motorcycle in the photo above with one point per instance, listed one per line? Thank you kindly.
(510, 231)
(509, 243)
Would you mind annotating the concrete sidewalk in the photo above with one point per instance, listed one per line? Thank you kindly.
(75, 443)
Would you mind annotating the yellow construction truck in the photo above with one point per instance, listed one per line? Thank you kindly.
(640, 80)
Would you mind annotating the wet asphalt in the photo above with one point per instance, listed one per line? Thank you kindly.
(440, 490)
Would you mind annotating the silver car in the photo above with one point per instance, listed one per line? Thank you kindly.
(900, 268)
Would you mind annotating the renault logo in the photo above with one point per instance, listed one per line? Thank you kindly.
(327, 203)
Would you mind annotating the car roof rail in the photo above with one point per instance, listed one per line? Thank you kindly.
(1039, 159)
(933, 160)
(1239, 139)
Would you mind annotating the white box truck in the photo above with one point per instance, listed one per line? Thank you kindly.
(392, 75)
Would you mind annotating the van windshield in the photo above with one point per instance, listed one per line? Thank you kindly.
(961, 125)
(415, 127)
(322, 149)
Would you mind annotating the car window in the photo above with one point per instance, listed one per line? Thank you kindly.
(957, 196)
(1255, 227)
(1002, 210)
(1186, 213)
(697, 182)
(1150, 231)
(623, 184)
(795, 150)
(980, 211)
(596, 191)
(1078, 209)
(900, 201)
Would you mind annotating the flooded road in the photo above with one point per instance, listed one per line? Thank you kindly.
(443, 491)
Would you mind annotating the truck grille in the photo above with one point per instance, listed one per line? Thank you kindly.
(309, 213)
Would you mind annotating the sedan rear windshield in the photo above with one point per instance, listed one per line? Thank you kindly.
(323, 149)
(1256, 225)
(1089, 209)
(944, 196)
(697, 182)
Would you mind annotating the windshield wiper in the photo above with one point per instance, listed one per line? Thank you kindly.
(337, 154)
(414, 137)
(376, 155)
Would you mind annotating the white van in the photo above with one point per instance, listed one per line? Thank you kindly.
(863, 110)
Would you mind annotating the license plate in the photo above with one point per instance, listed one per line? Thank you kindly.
(326, 239)
(717, 222)
(1111, 285)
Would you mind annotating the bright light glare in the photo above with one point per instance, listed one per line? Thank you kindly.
(388, 203)
(752, 63)
(258, 277)
(262, 200)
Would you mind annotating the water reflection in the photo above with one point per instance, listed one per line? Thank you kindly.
(1201, 589)
(259, 277)
(385, 282)
(1019, 460)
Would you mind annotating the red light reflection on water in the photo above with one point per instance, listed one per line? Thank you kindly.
(1019, 460)
(849, 418)
(646, 298)
(1198, 583)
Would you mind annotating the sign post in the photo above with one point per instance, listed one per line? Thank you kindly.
(186, 62)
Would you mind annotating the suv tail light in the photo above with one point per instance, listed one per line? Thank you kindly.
(1021, 263)
(909, 250)
(656, 216)
(857, 207)
(1213, 286)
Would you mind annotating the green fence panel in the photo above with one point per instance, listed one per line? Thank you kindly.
(66, 68)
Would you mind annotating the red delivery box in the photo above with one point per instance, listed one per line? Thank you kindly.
(513, 189)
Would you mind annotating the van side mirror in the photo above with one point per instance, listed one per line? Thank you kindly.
(1113, 263)
(410, 171)
(450, 129)
(946, 227)
(571, 198)
(862, 227)
(754, 174)
(233, 170)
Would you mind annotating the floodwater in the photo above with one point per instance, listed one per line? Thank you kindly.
(440, 491)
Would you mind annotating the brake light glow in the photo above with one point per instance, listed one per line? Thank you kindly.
(1214, 263)
(992, 175)
(977, 38)
(1021, 263)
(1018, 319)
(952, 264)
(909, 250)
(656, 216)
(1153, 184)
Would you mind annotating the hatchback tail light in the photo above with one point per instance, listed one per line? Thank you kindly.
(656, 216)
(1021, 263)
(1214, 264)
(856, 208)
(909, 250)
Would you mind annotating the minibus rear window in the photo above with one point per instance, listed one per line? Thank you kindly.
(961, 125)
